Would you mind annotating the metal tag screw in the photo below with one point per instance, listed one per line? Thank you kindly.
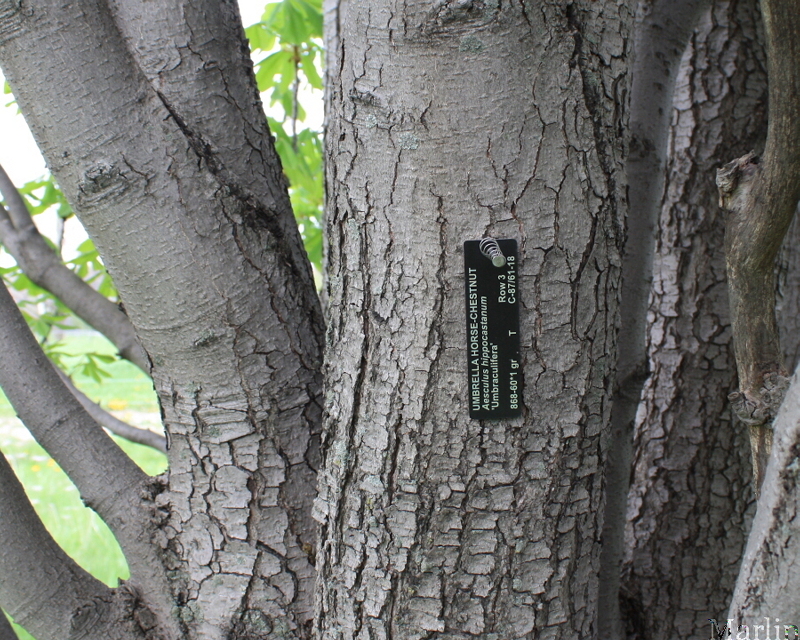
(491, 250)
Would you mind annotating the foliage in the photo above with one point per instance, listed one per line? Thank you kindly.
(287, 46)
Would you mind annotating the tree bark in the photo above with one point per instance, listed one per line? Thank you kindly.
(448, 123)
(42, 587)
(662, 32)
(768, 582)
(45, 268)
(214, 279)
(109, 482)
(689, 502)
(787, 297)
(760, 198)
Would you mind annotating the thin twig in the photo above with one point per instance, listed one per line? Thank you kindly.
(114, 424)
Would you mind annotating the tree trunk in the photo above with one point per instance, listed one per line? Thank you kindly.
(206, 255)
(448, 123)
(662, 31)
(690, 500)
(788, 295)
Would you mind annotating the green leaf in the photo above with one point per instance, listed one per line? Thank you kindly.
(8, 92)
(106, 286)
(296, 27)
(280, 63)
(261, 37)
(309, 67)
(313, 16)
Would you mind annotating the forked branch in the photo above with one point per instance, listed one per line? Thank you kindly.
(41, 264)
(44, 267)
(760, 197)
(103, 473)
(108, 480)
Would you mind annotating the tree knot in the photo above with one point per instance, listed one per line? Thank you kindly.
(735, 179)
(101, 182)
(761, 410)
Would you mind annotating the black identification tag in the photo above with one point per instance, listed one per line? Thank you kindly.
(494, 376)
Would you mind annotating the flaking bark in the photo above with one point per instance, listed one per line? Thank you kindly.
(690, 500)
(435, 526)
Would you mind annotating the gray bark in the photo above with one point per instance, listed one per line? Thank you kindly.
(787, 296)
(435, 526)
(690, 494)
(44, 267)
(768, 583)
(218, 289)
(662, 31)
(108, 481)
(40, 586)
(760, 198)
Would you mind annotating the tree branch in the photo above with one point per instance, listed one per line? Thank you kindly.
(200, 30)
(221, 294)
(760, 198)
(108, 480)
(40, 586)
(112, 423)
(768, 581)
(41, 264)
(8, 234)
(98, 467)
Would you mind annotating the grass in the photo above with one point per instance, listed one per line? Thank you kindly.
(78, 530)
